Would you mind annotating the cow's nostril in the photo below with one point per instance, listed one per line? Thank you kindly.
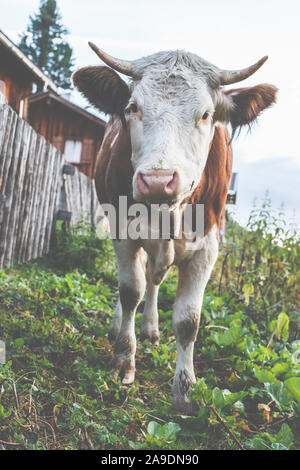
(159, 184)
(142, 184)
(172, 185)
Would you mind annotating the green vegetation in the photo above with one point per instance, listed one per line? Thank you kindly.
(57, 391)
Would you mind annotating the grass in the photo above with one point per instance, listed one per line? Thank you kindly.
(57, 391)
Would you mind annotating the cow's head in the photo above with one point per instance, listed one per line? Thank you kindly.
(172, 105)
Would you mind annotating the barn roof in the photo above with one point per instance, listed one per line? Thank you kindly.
(34, 69)
(64, 102)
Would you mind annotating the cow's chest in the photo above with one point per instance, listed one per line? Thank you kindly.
(163, 254)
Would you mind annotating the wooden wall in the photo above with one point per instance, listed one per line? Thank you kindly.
(57, 123)
(81, 199)
(17, 78)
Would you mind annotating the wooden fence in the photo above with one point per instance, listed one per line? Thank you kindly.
(33, 190)
(79, 199)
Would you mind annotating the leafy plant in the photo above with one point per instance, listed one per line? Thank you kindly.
(57, 390)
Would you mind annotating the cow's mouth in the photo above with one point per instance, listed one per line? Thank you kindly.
(164, 203)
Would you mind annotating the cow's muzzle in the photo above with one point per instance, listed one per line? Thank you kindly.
(158, 186)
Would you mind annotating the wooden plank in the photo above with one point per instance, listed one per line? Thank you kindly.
(3, 114)
(23, 197)
(54, 191)
(42, 185)
(59, 174)
(71, 199)
(97, 209)
(32, 202)
(27, 198)
(50, 187)
(36, 198)
(82, 188)
(61, 162)
(75, 198)
(5, 150)
(8, 225)
(82, 194)
(47, 169)
(86, 193)
(43, 238)
(17, 219)
(67, 188)
(85, 197)
(92, 206)
(88, 199)
(4, 110)
(6, 191)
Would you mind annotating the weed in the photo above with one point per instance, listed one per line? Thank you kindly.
(57, 391)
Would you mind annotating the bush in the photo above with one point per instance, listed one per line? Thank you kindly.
(261, 266)
(79, 247)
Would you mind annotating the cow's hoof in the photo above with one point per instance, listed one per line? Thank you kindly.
(124, 366)
(185, 408)
(153, 336)
(182, 387)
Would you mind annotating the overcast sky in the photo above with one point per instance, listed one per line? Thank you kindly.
(231, 34)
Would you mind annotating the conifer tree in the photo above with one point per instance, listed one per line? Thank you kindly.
(44, 43)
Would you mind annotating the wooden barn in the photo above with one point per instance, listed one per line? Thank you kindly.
(35, 97)
(20, 77)
(74, 131)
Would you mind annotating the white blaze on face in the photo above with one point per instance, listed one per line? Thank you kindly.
(171, 125)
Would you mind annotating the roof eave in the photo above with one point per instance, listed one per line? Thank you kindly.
(48, 83)
(74, 107)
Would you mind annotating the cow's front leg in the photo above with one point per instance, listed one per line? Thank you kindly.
(115, 323)
(132, 287)
(159, 261)
(149, 324)
(193, 277)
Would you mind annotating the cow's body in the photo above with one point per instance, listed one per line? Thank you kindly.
(113, 178)
(163, 150)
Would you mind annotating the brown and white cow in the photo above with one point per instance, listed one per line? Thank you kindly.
(167, 142)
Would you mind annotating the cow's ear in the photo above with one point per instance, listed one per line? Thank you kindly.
(104, 89)
(242, 106)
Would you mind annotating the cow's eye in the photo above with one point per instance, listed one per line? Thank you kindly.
(132, 108)
(203, 119)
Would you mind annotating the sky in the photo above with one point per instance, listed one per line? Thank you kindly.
(231, 34)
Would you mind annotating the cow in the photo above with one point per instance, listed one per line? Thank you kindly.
(167, 143)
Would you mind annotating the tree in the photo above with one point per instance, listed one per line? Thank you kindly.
(44, 43)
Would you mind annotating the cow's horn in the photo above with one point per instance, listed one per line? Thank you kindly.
(233, 76)
(122, 66)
